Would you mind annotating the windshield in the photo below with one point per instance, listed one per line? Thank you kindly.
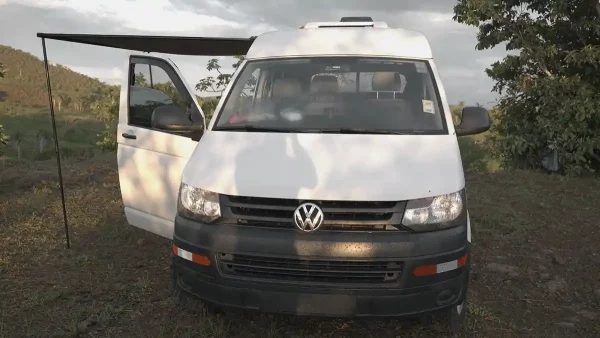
(334, 95)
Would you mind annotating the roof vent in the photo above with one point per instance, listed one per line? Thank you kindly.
(356, 19)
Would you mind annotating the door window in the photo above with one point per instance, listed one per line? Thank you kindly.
(150, 87)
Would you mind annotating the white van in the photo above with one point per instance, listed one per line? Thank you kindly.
(329, 181)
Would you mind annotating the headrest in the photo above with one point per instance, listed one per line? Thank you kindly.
(324, 84)
(386, 81)
(288, 87)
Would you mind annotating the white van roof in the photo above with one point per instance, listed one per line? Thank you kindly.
(342, 39)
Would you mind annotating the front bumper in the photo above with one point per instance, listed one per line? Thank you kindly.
(409, 295)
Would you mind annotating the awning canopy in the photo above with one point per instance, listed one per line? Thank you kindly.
(181, 45)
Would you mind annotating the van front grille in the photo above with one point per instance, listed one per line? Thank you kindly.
(305, 270)
(338, 215)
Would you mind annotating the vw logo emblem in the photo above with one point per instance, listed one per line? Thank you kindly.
(308, 217)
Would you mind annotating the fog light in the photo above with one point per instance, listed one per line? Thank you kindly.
(445, 297)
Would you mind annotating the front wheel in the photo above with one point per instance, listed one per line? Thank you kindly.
(189, 302)
(453, 319)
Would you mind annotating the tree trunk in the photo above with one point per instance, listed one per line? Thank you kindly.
(18, 150)
(42, 144)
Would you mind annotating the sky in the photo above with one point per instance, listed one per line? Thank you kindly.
(460, 65)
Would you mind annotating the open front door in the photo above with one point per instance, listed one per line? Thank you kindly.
(150, 161)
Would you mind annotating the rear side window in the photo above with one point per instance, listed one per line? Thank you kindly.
(150, 87)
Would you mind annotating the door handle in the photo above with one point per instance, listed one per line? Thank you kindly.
(131, 136)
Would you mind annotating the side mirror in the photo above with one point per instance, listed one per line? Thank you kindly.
(174, 119)
(474, 120)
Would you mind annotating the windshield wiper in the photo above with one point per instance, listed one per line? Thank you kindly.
(251, 128)
(362, 131)
(247, 127)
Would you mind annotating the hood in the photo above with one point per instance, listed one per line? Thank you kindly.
(306, 166)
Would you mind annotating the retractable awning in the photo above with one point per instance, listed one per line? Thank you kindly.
(180, 45)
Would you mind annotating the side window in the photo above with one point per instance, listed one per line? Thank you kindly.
(250, 85)
(150, 87)
(247, 96)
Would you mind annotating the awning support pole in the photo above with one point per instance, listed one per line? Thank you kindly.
(56, 147)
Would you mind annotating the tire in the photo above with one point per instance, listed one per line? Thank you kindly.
(450, 321)
(190, 303)
(453, 319)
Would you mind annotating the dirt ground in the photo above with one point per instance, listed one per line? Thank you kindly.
(536, 259)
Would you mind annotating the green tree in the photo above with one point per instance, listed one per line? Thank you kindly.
(171, 91)
(62, 100)
(548, 83)
(26, 74)
(208, 104)
(217, 84)
(456, 110)
(1, 70)
(140, 80)
(107, 109)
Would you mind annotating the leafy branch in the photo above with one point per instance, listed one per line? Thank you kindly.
(217, 84)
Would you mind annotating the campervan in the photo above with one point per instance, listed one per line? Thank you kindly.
(329, 181)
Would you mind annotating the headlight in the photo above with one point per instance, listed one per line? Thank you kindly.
(198, 204)
(433, 213)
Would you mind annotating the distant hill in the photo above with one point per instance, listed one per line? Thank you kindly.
(24, 83)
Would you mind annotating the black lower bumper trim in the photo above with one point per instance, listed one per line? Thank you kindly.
(323, 302)
(407, 294)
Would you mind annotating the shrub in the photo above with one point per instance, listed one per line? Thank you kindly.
(208, 104)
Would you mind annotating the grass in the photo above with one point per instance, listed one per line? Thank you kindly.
(76, 133)
(115, 281)
(475, 156)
